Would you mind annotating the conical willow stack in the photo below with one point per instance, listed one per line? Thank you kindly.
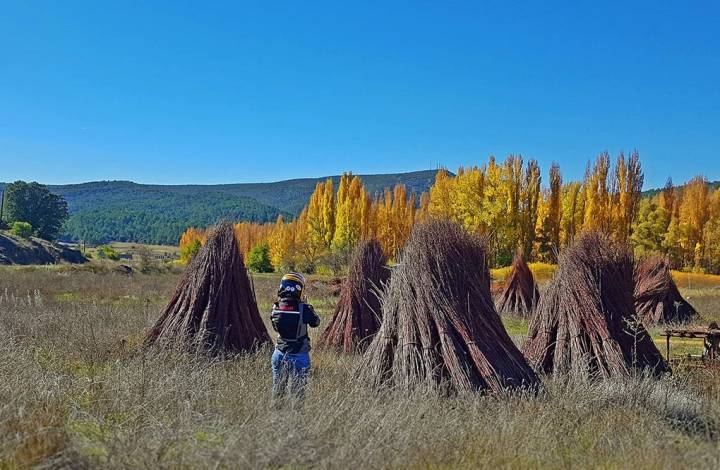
(213, 308)
(440, 329)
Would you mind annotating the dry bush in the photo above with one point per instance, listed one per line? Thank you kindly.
(440, 328)
(357, 315)
(586, 324)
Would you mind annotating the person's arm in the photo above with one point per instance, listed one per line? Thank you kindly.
(272, 322)
(310, 317)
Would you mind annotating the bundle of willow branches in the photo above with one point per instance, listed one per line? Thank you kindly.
(585, 324)
(213, 308)
(657, 298)
(439, 328)
(520, 294)
(357, 315)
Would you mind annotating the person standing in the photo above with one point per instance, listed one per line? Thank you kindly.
(291, 316)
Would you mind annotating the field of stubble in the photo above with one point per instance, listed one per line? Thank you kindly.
(76, 392)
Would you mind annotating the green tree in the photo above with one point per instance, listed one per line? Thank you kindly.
(35, 204)
(259, 259)
(21, 229)
(649, 229)
(188, 252)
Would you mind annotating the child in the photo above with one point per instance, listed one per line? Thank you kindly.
(290, 318)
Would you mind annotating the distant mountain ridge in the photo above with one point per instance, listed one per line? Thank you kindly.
(652, 192)
(103, 211)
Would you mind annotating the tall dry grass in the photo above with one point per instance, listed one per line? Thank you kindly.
(76, 392)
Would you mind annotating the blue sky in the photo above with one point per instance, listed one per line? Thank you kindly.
(217, 92)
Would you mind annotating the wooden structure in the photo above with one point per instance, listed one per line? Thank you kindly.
(709, 335)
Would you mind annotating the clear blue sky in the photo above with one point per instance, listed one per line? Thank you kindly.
(211, 92)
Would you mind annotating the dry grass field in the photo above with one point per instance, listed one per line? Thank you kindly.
(77, 392)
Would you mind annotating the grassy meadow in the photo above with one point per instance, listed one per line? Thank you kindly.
(77, 392)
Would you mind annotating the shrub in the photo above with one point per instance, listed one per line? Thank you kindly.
(21, 229)
(259, 259)
(146, 262)
(106, 251)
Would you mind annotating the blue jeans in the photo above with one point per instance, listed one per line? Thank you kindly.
(290, 373)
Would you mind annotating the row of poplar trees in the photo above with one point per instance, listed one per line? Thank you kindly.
(682, 223)
(505, 202)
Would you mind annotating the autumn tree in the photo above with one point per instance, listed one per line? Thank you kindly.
(320, 218)
(440, 198)
(550, 217)
(351, 213)
(667, 197)
(395, 212)
(190, 242)
(573, 210)
(597, 197)
(694, 214)
(250, 234)
(281, 245)
(528, 210)
(627, 191)
(711, 235)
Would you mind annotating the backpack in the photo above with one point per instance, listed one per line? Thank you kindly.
(288, 320)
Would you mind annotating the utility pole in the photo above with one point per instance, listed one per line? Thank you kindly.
(2, 206)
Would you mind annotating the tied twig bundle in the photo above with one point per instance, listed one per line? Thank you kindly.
(520, 294)
(657, 298)
(585, 324)
(357, 315)
(439, 328)
(213, 308)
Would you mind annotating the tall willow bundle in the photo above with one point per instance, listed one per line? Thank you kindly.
(440, 329)
(585, 323)
(213, 307)
(657, 298)
(520, 295)
(357, 316)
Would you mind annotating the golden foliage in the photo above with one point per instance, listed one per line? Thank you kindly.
(505, 203)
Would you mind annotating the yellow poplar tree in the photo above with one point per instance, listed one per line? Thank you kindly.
(440, 198)
(190, 240)
(351, 213)
(320, 218)
(528, 208)
(554, 210)
(281, 244)
(423, 211)
(573, 210)
(694, 214)
(597, 197)
(466, 204)
(627, 193)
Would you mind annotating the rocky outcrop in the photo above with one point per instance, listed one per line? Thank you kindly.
(16, 250)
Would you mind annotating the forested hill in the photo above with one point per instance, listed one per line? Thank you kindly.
(652, 192)
(124, 211)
